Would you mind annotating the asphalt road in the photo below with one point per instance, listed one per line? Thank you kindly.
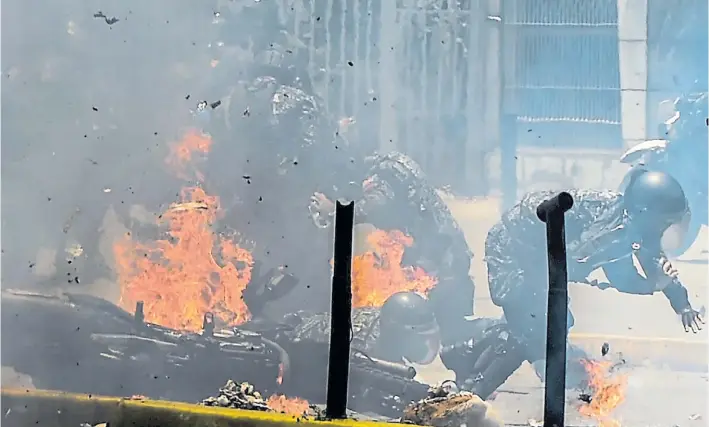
(666, 368)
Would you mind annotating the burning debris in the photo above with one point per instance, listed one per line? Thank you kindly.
(446, 407)
(244, 396)
(378, 273)
(606, 392)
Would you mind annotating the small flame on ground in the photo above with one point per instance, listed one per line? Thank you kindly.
(608, 392)
(378, 274)
(288, 405)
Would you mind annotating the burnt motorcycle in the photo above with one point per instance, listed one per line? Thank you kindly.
(84, 344)
(684, 154)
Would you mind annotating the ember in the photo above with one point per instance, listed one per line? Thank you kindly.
(244, 396)
(606, 393)
(288, 405)
(194, 270)
(378, 273)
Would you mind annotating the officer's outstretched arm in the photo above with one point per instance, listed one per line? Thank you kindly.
(677, 295)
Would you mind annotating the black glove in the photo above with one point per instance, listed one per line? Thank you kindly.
(691, 319)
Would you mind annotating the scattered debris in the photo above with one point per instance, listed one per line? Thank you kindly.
(604, 348)
(695, 417)
(188, 206)
(244, 396)
(534, 423)
(75, 250)
(201, 106)
(110, 21)
(445, 407)
(137, 397)
(238, 396)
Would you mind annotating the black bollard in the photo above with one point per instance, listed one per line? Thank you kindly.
(552, 213)
(338, 369)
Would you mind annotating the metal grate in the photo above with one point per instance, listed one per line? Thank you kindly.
(565, 68)
(403, 69)
(435, 56)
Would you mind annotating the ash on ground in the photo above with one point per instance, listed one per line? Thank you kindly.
(238, 396)
(448, 407)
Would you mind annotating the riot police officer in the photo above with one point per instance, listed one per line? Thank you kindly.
(403, 328)
(392, 193)
(626, 235)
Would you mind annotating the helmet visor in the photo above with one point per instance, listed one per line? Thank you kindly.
(674, 235)
(422, 344)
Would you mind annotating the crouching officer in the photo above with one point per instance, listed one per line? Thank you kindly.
(625, 235)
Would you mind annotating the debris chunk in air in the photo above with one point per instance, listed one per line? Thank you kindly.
(604, 348)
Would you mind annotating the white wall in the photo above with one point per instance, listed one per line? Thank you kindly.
(632, 48)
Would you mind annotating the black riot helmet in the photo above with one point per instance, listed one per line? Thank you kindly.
(409, 328)
(657, 205)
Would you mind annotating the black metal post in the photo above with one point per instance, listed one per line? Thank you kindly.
(552, 213)
(338, 369)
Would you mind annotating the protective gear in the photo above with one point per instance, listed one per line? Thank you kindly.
(395, 195)
(620, 234)
(683, 155)
(691, 320)
(657, 204)
(406, 329)
(656, 195)
(408, 323)
(484, 362)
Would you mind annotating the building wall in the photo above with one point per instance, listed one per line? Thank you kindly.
(632, 50)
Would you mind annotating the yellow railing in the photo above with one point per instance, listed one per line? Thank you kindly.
(49, 409)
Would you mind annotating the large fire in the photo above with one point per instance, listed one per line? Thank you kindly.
(378, 274)
(288, 405)
(193, 270)
(607, 392)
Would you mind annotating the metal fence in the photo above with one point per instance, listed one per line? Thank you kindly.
(562, 71)
(407, 71)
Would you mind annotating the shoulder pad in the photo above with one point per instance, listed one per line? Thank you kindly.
(637, 152)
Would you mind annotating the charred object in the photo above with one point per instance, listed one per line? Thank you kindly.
(84, 344)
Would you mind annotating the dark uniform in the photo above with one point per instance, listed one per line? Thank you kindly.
(396, 195)
(279, 148)
(623, 234)
(403, 328)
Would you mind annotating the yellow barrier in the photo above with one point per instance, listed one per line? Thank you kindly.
(59, 409)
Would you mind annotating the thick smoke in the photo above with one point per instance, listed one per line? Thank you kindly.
(92, 95)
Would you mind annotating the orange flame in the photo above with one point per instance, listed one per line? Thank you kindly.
(378, 274)
(182, 153)
(607, 392)
(191, 272)
(288, 405)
